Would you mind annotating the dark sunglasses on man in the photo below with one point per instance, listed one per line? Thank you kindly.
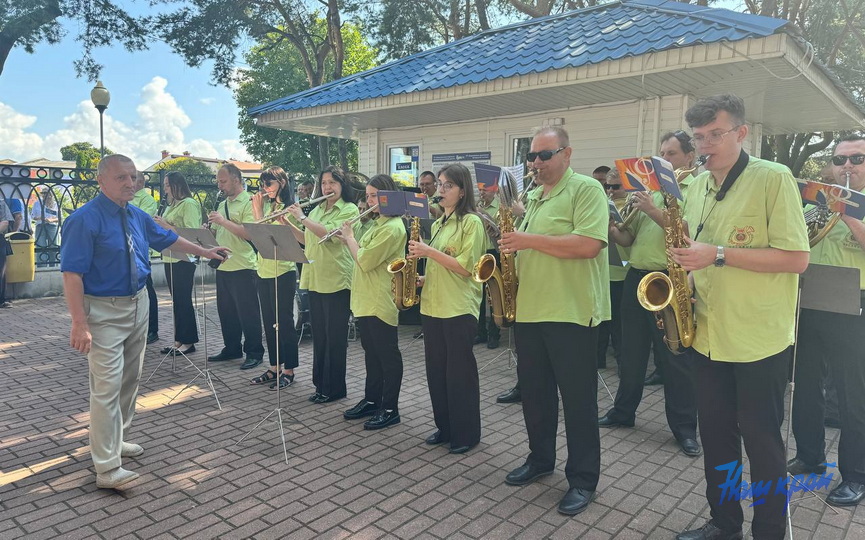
(614, 187)
(545, 155)
(855, 159)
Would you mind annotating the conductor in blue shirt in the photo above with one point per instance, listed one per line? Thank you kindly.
(105, 264)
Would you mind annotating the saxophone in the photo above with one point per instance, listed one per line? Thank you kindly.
(501, 284)
(404, 270)
(669, 296)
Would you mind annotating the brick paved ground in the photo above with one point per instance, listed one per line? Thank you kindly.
(341, 481)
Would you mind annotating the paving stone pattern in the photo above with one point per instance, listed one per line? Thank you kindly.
(341, 481)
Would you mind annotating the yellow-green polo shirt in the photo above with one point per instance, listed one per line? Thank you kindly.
(617, 273)
(745, 316)
(493, 212)
(331, 264)
(185, 213)
(446, 294)
(371, 294)
(565, 290)
(271, 268)
(145, 201)
(360, 229)
(840, 248)
(242, 255)
(649, 250)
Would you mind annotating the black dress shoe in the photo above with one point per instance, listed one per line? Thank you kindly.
(152, 337)
(797, 466)
(709, 532)
(575, 501)
(437, 438)
(382, 419)
(493, 343)
(525, 474)
(480, 339)
(511, 396)
(608, 421)
(224, 356)
(846, 494)
(327, 399)
(653, 380)
(314, 398)
(250, 362)
(169, 350)
(461, 449)
(364, 408)
(690, 447)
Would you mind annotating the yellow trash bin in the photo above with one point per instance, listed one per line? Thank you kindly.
(21, 265)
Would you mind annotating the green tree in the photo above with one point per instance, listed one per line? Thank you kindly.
(27, 23)
(195, 171)
(275, 71)
(85, 155)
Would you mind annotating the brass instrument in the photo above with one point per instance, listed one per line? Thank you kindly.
(629, 211)
(531, 185)
(275, 215)
(404, 278)
(669, 296)
(333, 232)
(820, 219)
(501, 284)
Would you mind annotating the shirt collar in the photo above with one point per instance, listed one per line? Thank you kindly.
(558, 188)
(108, 205)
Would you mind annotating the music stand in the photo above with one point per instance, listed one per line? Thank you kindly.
(205, 238)
(174, 351)
(274, 243)
(821, 288)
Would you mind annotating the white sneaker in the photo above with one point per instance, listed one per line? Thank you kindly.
(115, 478)
(130, 450)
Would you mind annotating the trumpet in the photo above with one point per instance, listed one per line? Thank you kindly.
(333, 232)
(274, 215)
(531, 178)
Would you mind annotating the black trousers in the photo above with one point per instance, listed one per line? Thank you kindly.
(329, 314)
(680, 400)
(153, 322)
(557, 354)
(180, 277)
(383, 362)
(744, 402)
(611, 330)
(836, 341)
(237, 306)
(452, 376)
(267, 291)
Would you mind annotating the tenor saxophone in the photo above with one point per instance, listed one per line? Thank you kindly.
(669, 295)
(404, 274)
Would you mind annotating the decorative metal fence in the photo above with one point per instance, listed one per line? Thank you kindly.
(50, 194)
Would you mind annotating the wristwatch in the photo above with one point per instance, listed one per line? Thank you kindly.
(720, 260)
(302, 218)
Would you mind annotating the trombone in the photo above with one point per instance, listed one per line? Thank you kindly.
(333, 232)
(274, 215)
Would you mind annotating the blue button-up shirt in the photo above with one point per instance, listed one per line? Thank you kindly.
(94, 246)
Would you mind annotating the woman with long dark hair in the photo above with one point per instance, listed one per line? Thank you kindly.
(450, 302)
(328, 280)
(182, 211)
(373, 306)
(276, 277)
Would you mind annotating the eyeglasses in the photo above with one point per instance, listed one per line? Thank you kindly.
(855, 159)
(612, 186)
(447, 186)
(713, 138)
(545, 155)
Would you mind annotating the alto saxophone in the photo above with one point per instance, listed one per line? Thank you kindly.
(669, 296)
(404, 279)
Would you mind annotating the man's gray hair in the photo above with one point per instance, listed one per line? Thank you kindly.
(559, 132)
(105, 162)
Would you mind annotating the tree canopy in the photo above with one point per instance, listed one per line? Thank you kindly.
(84, 154)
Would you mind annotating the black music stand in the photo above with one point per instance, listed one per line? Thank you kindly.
(822, 288)
(276, 243)
(173, 352)
(204, 238)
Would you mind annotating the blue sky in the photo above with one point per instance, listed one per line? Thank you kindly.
(157, 103)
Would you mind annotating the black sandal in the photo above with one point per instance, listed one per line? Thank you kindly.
(285, 381)
(268, 377)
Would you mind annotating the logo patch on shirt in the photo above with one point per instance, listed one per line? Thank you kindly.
(741, 236)
(450, 251)
(849, 242)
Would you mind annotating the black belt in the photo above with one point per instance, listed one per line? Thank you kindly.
(642, 272)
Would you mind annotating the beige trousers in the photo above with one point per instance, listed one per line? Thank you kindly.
(118, 326)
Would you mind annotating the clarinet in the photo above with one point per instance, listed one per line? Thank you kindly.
(214, 263)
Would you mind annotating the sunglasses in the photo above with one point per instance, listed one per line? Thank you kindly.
(545, 155)
(612, 186)
(855, 159)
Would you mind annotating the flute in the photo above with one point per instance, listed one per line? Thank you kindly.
(333, 232)
(275, 215)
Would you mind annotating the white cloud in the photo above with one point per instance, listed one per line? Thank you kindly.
(207, 101)
(160, 123)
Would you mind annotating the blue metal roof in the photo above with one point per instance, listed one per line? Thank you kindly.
(577, 38)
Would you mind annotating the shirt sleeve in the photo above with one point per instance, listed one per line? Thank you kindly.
(190, 214)
(149, 204)
(76, 251)
(380, 245)
(473, 242)
(787, 230)
(157, 237)
(591, 217)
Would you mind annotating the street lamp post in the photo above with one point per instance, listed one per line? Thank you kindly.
(100, 98)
